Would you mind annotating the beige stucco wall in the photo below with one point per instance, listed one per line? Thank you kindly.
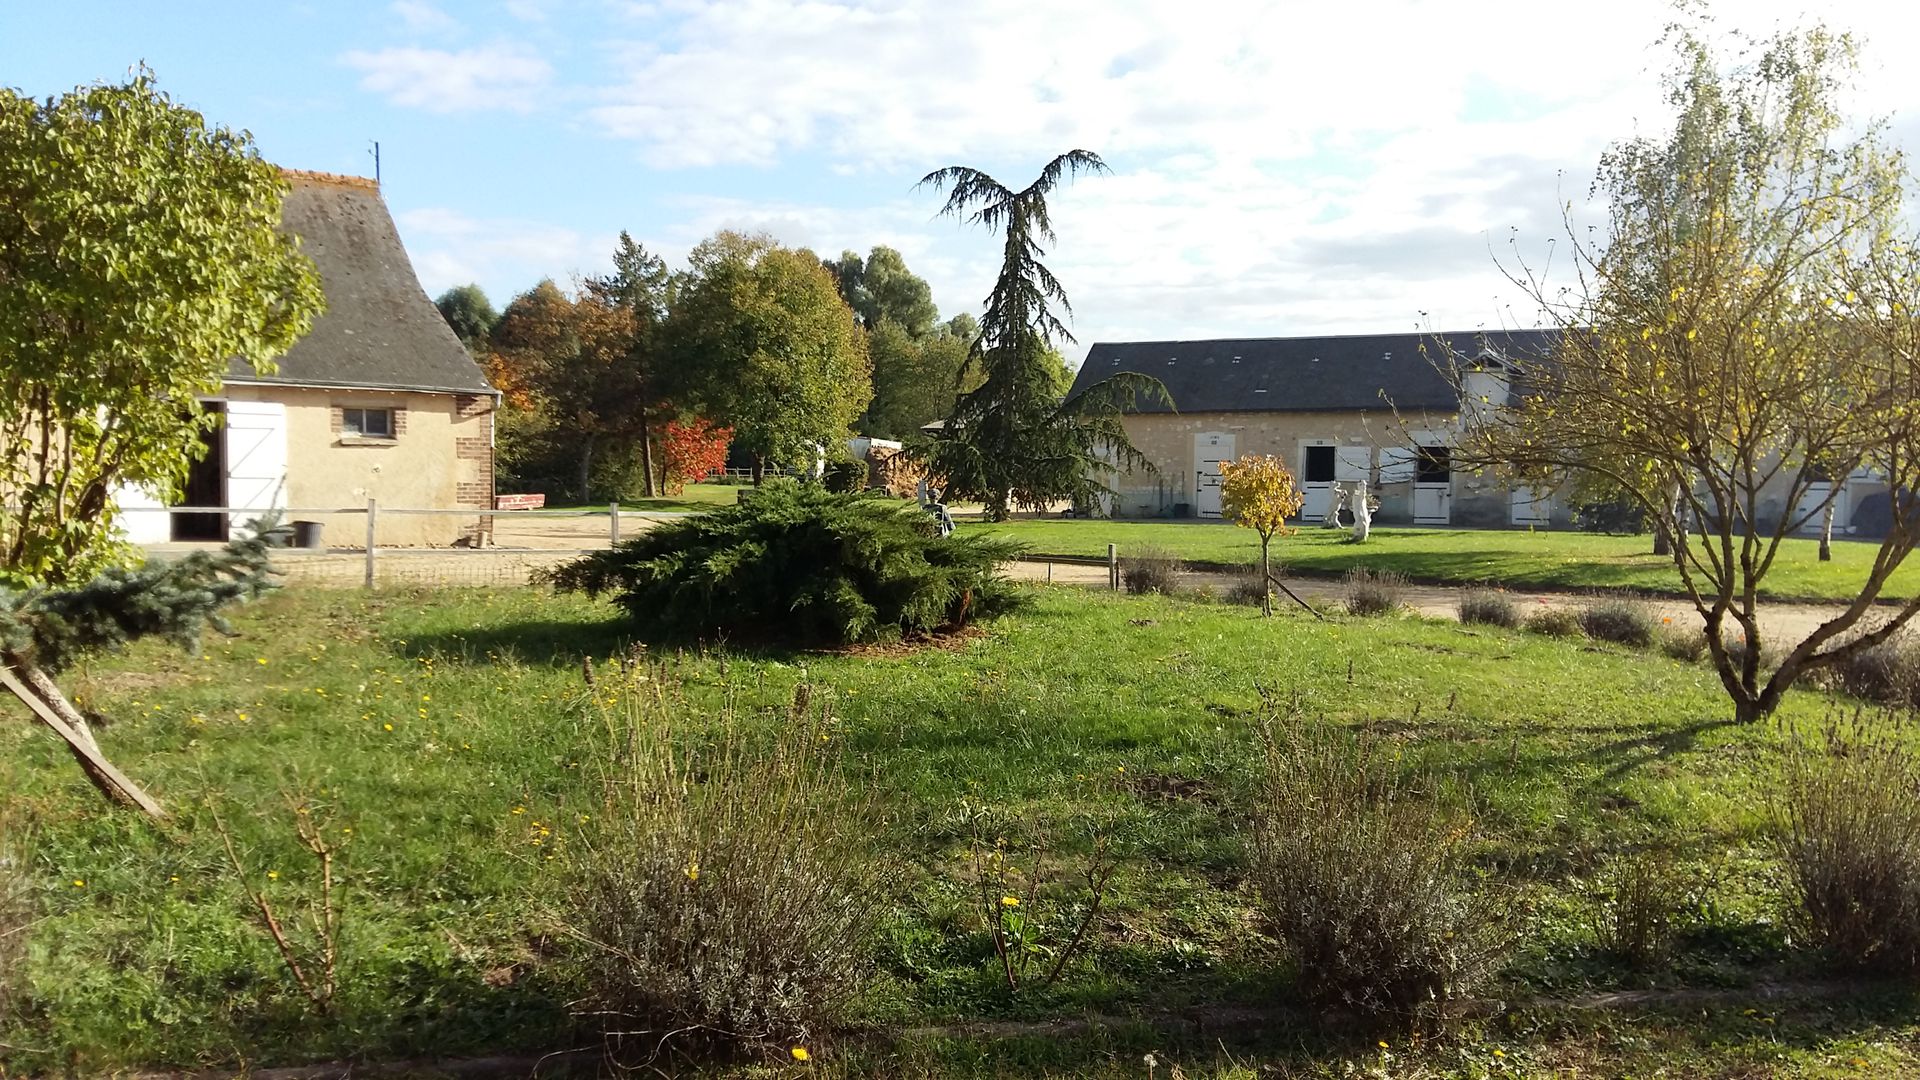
(1167, 440)
(440, 457)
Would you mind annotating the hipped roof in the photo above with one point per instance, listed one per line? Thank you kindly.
(379, 329)
(1305, 374)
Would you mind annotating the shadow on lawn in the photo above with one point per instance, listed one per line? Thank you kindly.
(562, 643)
(1634, 751)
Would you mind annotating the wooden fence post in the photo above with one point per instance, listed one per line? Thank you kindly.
(613, 523)
(373, 510)
(1113, 568)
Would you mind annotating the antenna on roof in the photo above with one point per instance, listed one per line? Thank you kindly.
(376, 162)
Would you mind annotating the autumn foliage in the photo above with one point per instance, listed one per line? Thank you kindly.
(1258, 492)
(691, 449)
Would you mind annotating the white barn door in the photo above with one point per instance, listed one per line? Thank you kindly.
(1210, 448)
(1814, 499)
(256, 435)
(1530, 508)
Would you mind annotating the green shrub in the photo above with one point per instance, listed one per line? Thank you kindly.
(1636, 904)
(1361, 877)
(1151, 570)
(796, 563)
(1490, 608)
(844, 477)
(1620, 621)
(725, 888)
(1847, 821)
(1373, 592)
(1887, 673)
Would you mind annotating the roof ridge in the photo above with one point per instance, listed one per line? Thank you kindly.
(342, 179)
(1332, 337)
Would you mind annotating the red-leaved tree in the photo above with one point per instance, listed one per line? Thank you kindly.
(691, 449)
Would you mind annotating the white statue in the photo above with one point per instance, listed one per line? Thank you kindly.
(1335, 495)
(1363, 507)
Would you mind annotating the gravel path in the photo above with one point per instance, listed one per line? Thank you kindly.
(1777, 621)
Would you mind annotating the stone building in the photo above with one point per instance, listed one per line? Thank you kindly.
(1367, 409)
(378, 401)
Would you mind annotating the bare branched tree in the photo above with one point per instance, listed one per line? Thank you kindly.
(1741, 338)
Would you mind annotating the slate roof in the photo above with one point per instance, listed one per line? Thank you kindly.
(1302, 374)
(379, 329)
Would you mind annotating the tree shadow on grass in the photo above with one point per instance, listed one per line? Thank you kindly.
(1635, 751)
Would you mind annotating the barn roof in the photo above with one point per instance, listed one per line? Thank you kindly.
(379, 329)
(1303, 374)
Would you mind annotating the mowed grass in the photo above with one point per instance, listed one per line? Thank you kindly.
(1514, 558)
(691, 499)
(437, 737)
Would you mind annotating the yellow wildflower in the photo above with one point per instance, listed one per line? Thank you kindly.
(1009, 901)
(693, 870)
(800, 1054)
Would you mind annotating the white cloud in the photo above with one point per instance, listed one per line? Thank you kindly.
(527, 10)
(491, 77)
(450, 248)
(1283, 168)
(420, 16)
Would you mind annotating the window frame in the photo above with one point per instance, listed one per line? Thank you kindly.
(350, 429)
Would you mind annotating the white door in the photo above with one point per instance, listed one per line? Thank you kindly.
(1210, 448)
(1432, 485)
(1811, 503)
(1529, 508)
(1353, 464)
(256, 433)
(1319, 464)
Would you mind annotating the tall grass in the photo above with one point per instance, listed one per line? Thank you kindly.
(726, 890)
(1373, 592)
(1621, 621)
(1490, 608)
(1362, 877)
(1847, 823)
(1151, 570)
(15, 913)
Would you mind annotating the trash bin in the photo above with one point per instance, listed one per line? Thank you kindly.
(306, 534)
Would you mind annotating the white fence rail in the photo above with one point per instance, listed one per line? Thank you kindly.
(488, 547)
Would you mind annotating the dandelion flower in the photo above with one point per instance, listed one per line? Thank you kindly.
(273, 875)
(1383, 1044)
(1009, 901)
(260, 660)
(79, 883)
(800, 1054)
(389, 727)
(693, 871)
(518, 810)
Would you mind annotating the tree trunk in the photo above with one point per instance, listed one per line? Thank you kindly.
(1664, 524)
(646, 457)
(37, 690)
(1826, 533)
(759, 469)
(1266, 579)
(586, 466)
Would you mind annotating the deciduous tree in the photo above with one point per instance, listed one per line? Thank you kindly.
(763, 343)
(1258, 492)
(1011, 441)
(140, 256)
(469, 313)
(1742, 329)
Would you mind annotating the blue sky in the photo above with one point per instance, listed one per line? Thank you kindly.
(1279, 168)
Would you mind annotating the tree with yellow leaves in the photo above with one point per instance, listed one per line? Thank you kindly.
(1257, 492)
(1739, 338)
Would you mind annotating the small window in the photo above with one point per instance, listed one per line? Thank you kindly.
(1433, 465)
(1320, 465)
(368, 423)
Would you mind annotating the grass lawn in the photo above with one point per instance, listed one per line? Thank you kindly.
(1514, 558)
(692, 498)
(436, 735)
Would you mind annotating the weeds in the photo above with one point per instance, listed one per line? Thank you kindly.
(1489, 608)
(1554, 622)
(15, 913)
(1249, 588)
(1686, 646)
(1361, 877)
(1623, 622)
(1151, 570)
(1847, 822)
(1373, 592)
(726, 888)
(1636, 903)
(1028, 924)
(1887, 673)
(314, 963)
